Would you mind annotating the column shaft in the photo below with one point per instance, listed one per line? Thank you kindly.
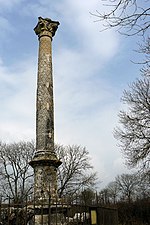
(45, 111)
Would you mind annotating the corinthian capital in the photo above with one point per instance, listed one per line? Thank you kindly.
(46, 24)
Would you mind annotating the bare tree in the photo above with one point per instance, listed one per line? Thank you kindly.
(76, 171)
(15, 173)
(127, 184)
(134, 133)
(130, 17)
(113, 192)
(109, 194)
(87, 197)
(104, 197)
(145, 50)
(143, 189)
(125, 188)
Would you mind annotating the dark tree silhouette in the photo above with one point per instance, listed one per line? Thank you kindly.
(134, 133)
(130, 17)
(76, 171)
(15, 173)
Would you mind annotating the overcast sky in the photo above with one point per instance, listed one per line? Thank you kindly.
(91, 70)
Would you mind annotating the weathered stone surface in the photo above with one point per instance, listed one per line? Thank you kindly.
(45, 182)
(46, 25)
(45, 161)
(45, 118)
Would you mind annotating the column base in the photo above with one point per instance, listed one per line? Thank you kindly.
(44, 157)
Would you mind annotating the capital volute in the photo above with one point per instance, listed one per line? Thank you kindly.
(46, 27)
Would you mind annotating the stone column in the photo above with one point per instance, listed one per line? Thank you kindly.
(45, 162)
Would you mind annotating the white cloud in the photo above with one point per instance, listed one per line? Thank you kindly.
(94, 130)
(85, 102)
(17, 101)
(5, 27)
(78, 22)
(82, 23)
(8, 4)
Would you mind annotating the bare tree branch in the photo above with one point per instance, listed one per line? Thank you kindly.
(134, 133)
(75, 171)
(15, 173)
(130, 17)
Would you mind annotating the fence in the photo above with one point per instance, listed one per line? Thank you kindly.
(27, 214)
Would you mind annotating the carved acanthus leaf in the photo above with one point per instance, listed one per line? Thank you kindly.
(46, 24)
